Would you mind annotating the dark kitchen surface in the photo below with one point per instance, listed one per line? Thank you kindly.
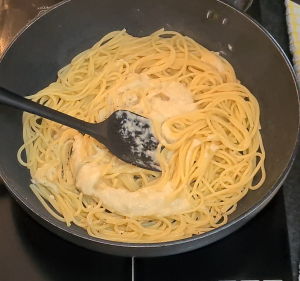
(29, 252)
(273, 19)
(247, 254)
(34, 242)
(258, 251)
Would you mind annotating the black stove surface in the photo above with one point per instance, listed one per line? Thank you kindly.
(258, 251)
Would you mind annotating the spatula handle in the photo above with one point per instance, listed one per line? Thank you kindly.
(13, 100)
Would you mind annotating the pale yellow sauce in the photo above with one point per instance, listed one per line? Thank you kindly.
(166, 100)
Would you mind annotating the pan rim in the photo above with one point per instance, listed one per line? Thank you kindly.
(253, 210)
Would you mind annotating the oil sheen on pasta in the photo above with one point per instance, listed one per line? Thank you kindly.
(206, 120)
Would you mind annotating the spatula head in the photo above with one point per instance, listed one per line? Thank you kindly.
(131, 139)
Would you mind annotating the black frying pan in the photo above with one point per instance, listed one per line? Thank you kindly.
(33, 59)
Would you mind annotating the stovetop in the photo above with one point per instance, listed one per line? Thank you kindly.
(258, 251)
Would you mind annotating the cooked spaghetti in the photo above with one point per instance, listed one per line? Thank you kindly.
(206, 122)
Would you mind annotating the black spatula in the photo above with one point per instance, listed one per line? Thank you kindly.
(126, 134)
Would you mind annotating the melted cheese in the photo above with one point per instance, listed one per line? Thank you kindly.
(45, 175)
(176, 99)
(87, 177)
(143, 202)
(167, 99)
(194, 144)
(213, 59)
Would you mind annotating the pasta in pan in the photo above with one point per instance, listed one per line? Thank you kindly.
(206, 120)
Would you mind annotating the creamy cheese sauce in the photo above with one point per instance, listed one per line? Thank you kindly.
(175, 99)
(46, 176)
(194, 144)
(167, 99)
(143, 202)
(213, 60)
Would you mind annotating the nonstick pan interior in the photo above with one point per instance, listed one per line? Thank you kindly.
(32, 61)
